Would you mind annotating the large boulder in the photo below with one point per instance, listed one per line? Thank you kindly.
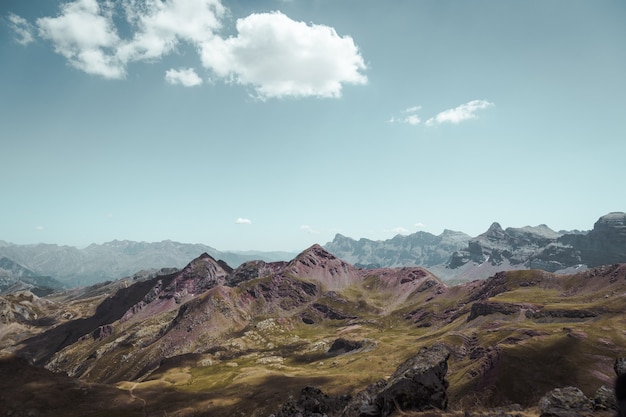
(565, 402)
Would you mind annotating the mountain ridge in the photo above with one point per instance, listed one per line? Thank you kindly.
(462, 257)
(115, 259)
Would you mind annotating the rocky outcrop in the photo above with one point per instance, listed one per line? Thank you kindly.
(565, 402)
(579, 314)
(342, 346)
(485, 308)
(418, 384)
(313, 403)
(252, 270)
(604, 399)
(102, 332)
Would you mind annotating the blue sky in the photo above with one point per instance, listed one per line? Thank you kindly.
(273, 125)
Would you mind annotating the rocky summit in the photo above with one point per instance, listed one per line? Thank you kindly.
(317, 336)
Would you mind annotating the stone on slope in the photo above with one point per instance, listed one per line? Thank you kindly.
(565, 402)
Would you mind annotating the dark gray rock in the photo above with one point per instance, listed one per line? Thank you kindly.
(604, 399)
(606, 243)
(619, 366)
(313, 403)
(418, 384)
(102, 332)
(565, 402)
(485, 308)
(341, 346)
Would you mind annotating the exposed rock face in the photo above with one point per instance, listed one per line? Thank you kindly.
(565, 402)
(253, 269)
(497, 245)
(606, 243)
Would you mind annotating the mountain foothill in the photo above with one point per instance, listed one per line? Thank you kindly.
(527, 321)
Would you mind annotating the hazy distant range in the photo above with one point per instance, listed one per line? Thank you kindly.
(112, 260)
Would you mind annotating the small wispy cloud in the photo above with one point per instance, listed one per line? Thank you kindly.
(459, 114)
(409, 116)
(309, 229)
(39, 228)
(400, 230)
(22, 29)
(185, 76)
(242, 220)
(419, 225)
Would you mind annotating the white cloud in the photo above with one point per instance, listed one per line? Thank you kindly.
(409, 116)
(412, 119)
(399, 230)
(84, 33)
(160, 25)
(458, 114)
(309, 229)
(419, 225)
(275, 55)
(280, 57)
(39, 228)
(241, 220)
(184, 76)
(22, 29)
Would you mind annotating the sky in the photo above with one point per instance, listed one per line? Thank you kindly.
(274, 124)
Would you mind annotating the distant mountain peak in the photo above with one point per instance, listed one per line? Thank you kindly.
(320, 265)
(317, 251)
(495, 232)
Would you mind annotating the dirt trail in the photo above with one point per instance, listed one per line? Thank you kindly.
(134, 397)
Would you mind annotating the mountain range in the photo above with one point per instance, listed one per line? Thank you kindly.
(71, 267)
(313, 336)
(455, 255)
(451, 256)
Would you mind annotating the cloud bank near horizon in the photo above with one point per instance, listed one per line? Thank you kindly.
(270, 53)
